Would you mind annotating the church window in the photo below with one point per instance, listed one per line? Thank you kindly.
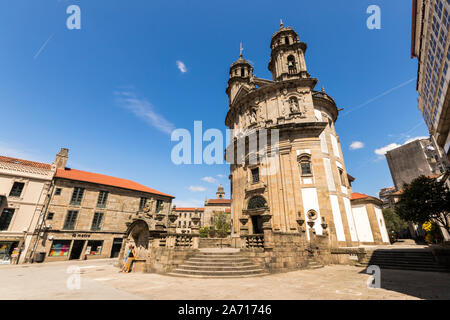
(255, 175)
(242, 72)
(256, 202)
(342, 176)
(291, 64)
(286, 40)
(305, 164)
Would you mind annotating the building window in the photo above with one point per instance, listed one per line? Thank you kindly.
(102, 198)
(94, 248)
(179, 224)
(305, 164)
(342, 177)
(142, 203)
(77, 196)
(286, 40)
(17, 189)
(256, 202)
(60, 248)
(159, 205)
(291, 64)
(5, 218)
(58, 191)
(50, 215)
(255, 175)
(71, 218)
(97, 221)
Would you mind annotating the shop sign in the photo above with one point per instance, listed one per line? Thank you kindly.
(81, 235)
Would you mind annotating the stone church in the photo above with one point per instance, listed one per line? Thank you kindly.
(310, 187)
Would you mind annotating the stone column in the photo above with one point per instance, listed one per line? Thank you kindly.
(172, 228)
(243, 230)
(267, 229)
(195, 230)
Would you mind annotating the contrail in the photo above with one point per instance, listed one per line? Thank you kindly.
(379, 96)
(43, 46)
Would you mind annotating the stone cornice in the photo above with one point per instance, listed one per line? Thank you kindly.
(270, 89)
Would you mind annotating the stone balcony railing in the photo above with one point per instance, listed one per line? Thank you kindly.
(254, 241)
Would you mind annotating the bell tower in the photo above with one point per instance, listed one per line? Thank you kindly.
(287, 59)
(241, 74)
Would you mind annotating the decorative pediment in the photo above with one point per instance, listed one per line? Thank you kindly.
(242, 92)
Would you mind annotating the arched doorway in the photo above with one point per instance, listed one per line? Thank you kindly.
(138, 235)
(256, 205)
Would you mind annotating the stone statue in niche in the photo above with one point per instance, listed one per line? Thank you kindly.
(148, 208)
(252, 115)
(294, 107)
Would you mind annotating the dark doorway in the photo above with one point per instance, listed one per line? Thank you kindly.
(77, 248)
(257, 224)
(117, 245)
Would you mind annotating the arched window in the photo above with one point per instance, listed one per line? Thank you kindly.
(291, 64)
(256, 202)
(304, 161)
(286, 40)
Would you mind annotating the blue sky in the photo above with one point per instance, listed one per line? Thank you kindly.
(112, 91)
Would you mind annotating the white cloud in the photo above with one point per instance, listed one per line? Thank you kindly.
(221, 175)
(209, 179)
(356, 145)
(144, 110)
(181, 66)
(382, 151)
(196, 188)
(190, 203)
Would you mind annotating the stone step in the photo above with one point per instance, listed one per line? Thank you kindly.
(217, 277)
(217, 268)
(223, 260)
(212, 264)
(219, 273)
(410, 267)
(398, 259)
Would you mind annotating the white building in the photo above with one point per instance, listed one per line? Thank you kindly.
(23, 189)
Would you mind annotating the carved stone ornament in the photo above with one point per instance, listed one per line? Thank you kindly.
(312, 215)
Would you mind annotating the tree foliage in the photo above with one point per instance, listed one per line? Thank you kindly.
(425, 199)
(221, 225)
(393, 221)
(204, 232)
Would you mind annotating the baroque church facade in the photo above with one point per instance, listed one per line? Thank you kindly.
(310, 187)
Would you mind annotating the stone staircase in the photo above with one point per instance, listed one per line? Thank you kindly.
(403, 259)
(314, 265)
(218, 263)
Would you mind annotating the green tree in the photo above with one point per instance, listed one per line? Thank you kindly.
(221, 225)
(425, 199)
(393, 221)
(204, 232)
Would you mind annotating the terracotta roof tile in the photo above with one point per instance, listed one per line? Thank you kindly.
(78, 175)
(356, 196)
(189, 209)
(27, 163)
(219, 201)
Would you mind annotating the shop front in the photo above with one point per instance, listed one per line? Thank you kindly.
(10, 250)
(76, 246)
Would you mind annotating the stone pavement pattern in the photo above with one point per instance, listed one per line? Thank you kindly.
(100, 279)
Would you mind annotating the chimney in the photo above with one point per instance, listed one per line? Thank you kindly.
(61, 158)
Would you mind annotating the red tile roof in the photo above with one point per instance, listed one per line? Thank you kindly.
(219, 201)
(357, 196)
(78, 175)
(26, 163)
(189, 209)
